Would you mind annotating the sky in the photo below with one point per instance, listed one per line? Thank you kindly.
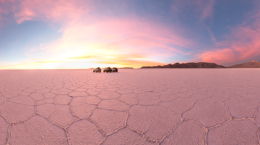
(71, 34)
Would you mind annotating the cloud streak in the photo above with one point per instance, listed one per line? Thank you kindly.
(56, 11)
(106, 39)
(114, 38)
(203, 8)
(242, 44)
(133, 37)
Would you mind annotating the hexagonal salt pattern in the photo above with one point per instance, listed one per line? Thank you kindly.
(132, 107)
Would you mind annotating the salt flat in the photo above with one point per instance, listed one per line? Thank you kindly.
(132, 107)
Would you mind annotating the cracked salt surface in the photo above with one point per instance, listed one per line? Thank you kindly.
(133, 107)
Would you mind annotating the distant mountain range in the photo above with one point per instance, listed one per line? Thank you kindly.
(251, 64)
(188, 65)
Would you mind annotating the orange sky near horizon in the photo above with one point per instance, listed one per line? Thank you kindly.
(74, 34)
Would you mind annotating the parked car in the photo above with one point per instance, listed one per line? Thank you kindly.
(97, 70)
(114, 69)
(107, 70)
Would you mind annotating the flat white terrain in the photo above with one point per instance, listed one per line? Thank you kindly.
(132, 107)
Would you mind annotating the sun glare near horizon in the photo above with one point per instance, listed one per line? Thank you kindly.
(75, 34)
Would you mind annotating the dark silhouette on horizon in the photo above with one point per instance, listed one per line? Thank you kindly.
(105, 70)
(251, 64)
(97, 70)
(188, 65)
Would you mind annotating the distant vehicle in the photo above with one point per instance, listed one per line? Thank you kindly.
(97, 70)
(114, 69)
(107, 70)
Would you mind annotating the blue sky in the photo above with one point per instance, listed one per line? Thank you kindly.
(89, 33)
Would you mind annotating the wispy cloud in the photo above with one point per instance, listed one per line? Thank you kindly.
(203, 8)
(5, 8)
(207, 8)
(105, 40)
(114, 38)
(57, 11)
(242, 44)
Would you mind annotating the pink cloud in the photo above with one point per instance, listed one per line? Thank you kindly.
(58, 10)
(50, 10)
(106, 39)
(244, 44)
(117, 37)
(5, 8)
(205, 8)
(225, 55)
(139, 32)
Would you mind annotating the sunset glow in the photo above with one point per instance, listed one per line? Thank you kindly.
(47, 34)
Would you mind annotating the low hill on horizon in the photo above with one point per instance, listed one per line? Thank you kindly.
(187, 65)
(251, 64)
